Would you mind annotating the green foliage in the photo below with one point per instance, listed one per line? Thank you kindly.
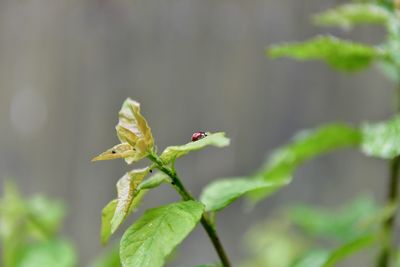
(342, 225)
(29, 227)
(279, 168)
(106, 216)
(349, 248)
(348, 15)
(291, 241)
(154, 181)
(153, 236)
(29, 232)
(313, 258)
(109, 258)
(382, 140)
(48, 254)
(221, 193)
(340, 54)
(379, 140)
(173, 152)
(127, 193)
(131, 189)
(273, 243)
(45, 214)
(306, 145)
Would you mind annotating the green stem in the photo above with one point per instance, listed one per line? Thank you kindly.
(205, 220)
(388, 226)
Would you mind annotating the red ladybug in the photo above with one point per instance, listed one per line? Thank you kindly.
(198, 135)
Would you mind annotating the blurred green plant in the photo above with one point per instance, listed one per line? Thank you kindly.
(29, 232)
(307, 236)
(380, 140)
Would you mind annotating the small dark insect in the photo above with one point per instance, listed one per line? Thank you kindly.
(198, 135)
(113, 152)
(151, 171)
(173, 183)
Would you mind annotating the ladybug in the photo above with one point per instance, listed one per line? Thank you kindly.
(198, 135)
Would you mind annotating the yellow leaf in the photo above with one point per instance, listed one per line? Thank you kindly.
(123, 150)
(133, 132)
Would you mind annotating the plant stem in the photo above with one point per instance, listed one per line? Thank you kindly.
(392, 196)
(389, 224)
(205, 220)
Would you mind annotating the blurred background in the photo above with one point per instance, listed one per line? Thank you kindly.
(66, 66)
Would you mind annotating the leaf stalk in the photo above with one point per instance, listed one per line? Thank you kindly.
(185, 194)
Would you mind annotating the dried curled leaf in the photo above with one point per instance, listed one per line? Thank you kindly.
(133, 132)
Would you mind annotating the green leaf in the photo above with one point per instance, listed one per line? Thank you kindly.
(153, 236)
(273, 243)
(348, 15)
(13, 230)
(130, 196)
(45, 215)
(127, 191)
(339, 54)
(106, 216)
(173, 152)
(343, 225)
(48, 254)
(154, 181)
(12, 210)
(349, 249)
(314, 258)
(390, 70)
(109, 258)
(305, 146)
(382, 140)
(221, 193)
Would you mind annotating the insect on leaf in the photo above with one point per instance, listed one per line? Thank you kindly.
(214, 139)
